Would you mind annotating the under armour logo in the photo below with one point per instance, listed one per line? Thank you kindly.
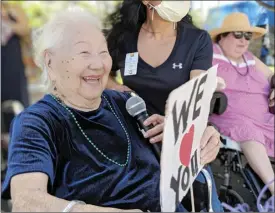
(179, 66)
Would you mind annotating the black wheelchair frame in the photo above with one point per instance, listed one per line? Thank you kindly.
(233, 161)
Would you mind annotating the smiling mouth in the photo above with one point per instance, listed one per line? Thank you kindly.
(91, 79)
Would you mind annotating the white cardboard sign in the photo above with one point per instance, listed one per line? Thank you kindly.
(185, 121)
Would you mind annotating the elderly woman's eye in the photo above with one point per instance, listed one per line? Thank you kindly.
(85, 52)
(104, 52)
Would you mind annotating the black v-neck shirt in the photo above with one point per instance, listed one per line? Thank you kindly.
(192, 50)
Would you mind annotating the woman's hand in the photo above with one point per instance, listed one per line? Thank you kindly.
(221, 85)
(155, 134)
(271, 101)
(272, 98)
(210, 142)
(220, 81)
(210, 145)
(272, 86)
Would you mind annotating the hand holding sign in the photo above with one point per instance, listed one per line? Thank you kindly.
(185, 126)
(210, 145)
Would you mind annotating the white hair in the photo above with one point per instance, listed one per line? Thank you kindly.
(53, 32)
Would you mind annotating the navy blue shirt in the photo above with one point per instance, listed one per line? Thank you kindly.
(45, 138)
(192, 50)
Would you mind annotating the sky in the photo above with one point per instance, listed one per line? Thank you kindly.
(206, 5)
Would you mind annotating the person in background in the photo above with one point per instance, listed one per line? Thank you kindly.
(270, 60)
(247, 119)
(264, 54)
(157, 49)
(15, 29)
(78, 143)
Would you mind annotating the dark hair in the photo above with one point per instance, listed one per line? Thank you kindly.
(219, 37)
(128, 19)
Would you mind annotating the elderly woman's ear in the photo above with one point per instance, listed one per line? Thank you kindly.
(48, 65)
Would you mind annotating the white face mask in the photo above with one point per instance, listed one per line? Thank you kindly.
(172, 11)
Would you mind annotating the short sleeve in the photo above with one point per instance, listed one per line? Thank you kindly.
(31, 149)
(204, 53)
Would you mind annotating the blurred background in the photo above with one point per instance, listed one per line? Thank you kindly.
(206, 15)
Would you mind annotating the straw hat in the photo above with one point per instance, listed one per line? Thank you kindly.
(237, 22)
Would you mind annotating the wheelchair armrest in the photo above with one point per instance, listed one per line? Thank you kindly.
(218, 103)
(6, 205)
(228, 143)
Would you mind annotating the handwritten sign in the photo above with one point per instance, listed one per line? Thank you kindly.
(186, 118)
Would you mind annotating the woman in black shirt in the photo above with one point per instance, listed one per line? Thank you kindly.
(13, 81)
(157, 49)
(167, 58)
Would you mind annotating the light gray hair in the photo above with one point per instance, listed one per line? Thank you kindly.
(53, 32)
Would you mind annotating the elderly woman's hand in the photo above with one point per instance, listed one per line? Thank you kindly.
(210, 145)
(155, 134)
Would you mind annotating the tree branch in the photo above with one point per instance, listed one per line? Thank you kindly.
(265, 5)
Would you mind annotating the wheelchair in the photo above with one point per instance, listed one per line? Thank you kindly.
(233, 163)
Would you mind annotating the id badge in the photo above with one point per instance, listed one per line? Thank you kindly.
(131, 63)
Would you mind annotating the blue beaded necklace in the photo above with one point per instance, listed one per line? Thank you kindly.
(90, 141)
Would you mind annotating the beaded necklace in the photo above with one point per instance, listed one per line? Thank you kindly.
(90, 141)
(247, 67)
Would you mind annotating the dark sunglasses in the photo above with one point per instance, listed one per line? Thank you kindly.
(246, 35)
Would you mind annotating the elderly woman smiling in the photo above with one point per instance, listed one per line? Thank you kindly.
(78, 142)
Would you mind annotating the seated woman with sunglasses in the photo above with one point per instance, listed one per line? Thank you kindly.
(247, 119)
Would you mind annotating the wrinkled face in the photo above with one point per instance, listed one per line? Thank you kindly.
(234, 47)
(81, 64)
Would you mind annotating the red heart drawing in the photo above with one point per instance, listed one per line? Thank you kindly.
(186, 146)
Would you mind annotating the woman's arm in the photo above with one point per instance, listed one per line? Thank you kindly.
(220, 84)
(114, 85)
(31, 169)
(29, 194)
(203, 60)
(260, 66)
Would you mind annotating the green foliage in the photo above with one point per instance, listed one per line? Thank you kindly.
(39, 12)
(87, 6)
(196, 17)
